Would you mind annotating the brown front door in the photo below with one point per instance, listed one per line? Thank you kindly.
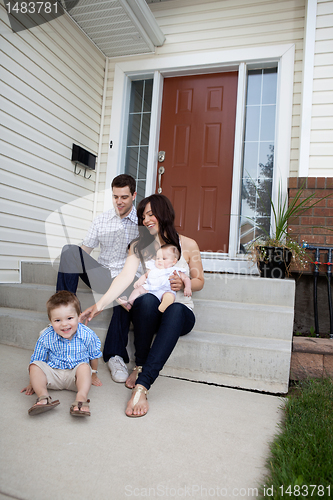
(197, 135)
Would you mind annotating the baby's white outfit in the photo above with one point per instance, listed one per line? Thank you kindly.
(158, 282)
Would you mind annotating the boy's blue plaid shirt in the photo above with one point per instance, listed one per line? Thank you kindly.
(62, 353)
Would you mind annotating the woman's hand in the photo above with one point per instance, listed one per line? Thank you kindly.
(176, 282)
(89, 314)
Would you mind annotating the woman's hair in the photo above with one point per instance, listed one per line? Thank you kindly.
(162, 209)
(63, 298)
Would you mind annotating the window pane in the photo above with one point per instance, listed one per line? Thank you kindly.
(269, 86)
(267, 123)
(251, 159)
(136, 97)
(145, 129)
(266, 157)
(148, 95)
(143, 162)
(252, 123)
(254, 87)
(132, 161)
(134, 125)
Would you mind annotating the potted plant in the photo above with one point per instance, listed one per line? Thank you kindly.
(276, 251)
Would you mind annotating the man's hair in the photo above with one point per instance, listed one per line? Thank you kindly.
(173, 248)
(63, 298)
(124, 180)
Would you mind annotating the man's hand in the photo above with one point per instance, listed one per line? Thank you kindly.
(89, 314)
(176, 282)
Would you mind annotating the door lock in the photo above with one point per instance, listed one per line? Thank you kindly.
(161, 156)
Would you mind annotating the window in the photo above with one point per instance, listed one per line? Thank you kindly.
(138, 134)
(258, 154)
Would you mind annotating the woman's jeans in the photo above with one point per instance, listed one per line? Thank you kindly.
(177, 320)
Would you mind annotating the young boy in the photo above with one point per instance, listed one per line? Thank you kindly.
(156, 280)
(65, 356)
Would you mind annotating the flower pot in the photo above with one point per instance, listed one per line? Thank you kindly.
(274, 262)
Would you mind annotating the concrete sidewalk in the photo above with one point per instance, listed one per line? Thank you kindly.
(197, 441)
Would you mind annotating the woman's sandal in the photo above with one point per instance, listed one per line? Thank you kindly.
(79, 412)
(137, 369)
(137, 391)
(36, 409)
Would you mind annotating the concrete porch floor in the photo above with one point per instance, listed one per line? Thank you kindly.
(197, 441)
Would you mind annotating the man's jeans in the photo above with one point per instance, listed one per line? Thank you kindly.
(75, 263)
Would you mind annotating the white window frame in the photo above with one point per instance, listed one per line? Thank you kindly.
(206, 62)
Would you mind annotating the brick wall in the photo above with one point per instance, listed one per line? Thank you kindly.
(305, 228)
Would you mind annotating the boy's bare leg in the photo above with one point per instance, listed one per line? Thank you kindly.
(167, 299)
(38, 382)
(83, 384)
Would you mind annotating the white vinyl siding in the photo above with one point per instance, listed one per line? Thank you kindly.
(52, 87)
(321, 147)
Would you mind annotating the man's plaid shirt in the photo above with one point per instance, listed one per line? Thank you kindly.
(113, 234)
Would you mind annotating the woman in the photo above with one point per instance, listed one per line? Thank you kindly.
(156, 215)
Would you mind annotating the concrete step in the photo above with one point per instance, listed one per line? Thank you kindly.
(246, 289)
(32, 296)
(249, 320)
(224, 287)
(232, 360)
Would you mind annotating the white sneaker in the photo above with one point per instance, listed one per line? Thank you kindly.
(118, 369)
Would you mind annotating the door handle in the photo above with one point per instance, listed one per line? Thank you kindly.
(161, 171)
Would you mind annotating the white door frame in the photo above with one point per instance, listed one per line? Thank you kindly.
(205, 62)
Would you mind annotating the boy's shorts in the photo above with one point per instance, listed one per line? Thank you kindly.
(58, 379)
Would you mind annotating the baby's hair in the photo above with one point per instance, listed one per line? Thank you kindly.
(62, 298)
(173, 248)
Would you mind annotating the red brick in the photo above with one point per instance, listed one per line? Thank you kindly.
(329, 222)
(329, 203)
(318, 202)
(311, 182)
(292, 182)
(329, 240)
(321, 182)
(321, 211)
(294, 229)
(313, 239)
(320, 230)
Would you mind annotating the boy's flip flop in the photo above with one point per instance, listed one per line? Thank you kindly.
(79, 412)
(36, 409)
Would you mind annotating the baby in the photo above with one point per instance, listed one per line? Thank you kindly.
(156, 280)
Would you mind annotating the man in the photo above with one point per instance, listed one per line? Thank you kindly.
(112, 231)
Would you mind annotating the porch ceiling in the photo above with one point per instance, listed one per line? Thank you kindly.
(119, 27)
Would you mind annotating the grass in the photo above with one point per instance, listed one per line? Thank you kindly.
(301, 456)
